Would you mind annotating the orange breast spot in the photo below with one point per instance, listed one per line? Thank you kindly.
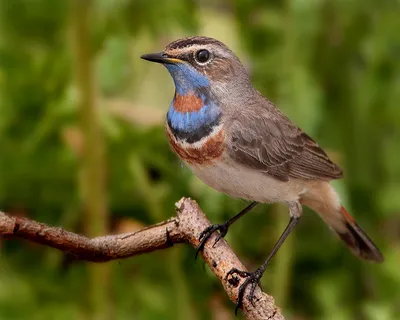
(187, 103)
(202, 152)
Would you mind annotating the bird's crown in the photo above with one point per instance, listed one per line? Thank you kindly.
(204, 56)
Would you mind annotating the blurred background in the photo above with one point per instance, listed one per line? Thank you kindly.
(70, 72)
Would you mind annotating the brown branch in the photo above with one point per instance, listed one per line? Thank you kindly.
(184, 228)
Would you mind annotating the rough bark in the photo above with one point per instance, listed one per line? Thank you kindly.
(184, 228)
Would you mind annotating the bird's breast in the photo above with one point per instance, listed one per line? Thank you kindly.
(205, 151)
(193, 115)
(187, 103)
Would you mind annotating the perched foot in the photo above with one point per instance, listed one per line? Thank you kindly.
(252, 279)
(222, 228)
(206, 234)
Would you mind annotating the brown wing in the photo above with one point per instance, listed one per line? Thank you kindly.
(277, 147)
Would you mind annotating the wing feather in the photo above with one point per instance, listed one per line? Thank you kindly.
(276, 146)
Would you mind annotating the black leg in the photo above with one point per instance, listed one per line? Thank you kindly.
(253, 278)
(222, 228)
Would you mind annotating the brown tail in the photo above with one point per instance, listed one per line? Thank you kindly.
(323, 199)
(356, 239)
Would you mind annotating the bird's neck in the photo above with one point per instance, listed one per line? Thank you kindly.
(193, 114)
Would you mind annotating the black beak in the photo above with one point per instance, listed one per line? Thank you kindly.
(159, 57)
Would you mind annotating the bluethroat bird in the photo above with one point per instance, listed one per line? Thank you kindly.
(236, 141)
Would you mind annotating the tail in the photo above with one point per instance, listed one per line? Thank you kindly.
(357, 240)
(337, 217)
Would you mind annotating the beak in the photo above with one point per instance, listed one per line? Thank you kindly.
(160, 57)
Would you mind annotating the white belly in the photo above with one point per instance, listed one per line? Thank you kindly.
(240, 182)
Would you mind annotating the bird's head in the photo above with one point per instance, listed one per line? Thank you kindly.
(202, 63)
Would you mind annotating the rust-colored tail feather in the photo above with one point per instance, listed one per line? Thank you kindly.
(357, 240)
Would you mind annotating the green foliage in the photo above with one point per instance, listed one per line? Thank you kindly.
(331, 66)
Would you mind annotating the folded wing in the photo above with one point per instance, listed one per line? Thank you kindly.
(272, 144)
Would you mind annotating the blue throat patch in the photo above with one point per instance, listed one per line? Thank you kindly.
(186, 78)
(191, 126)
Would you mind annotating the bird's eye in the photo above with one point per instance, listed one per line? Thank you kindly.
(202, 56)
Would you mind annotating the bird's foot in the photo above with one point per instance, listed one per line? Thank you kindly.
(252, 280)
(207, 232)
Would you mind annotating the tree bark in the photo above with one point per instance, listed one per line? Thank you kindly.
(184, 228)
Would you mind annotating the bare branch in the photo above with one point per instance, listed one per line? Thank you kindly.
(184, 228)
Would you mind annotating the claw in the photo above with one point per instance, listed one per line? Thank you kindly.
(199, 248)
(222, 228)
(206, 234)
(252, 279)
(240, 273)
(216, 240)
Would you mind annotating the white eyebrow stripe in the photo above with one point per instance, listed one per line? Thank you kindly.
(188, 49)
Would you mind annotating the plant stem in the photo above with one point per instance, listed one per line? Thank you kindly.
(92, 170)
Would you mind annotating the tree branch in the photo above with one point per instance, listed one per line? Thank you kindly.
(184, 228)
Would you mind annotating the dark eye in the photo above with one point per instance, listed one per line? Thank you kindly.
(202, 55)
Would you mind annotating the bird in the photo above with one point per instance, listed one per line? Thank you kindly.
(239, 143)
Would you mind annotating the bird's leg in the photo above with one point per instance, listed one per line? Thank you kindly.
(253, 278)
(222, 228)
